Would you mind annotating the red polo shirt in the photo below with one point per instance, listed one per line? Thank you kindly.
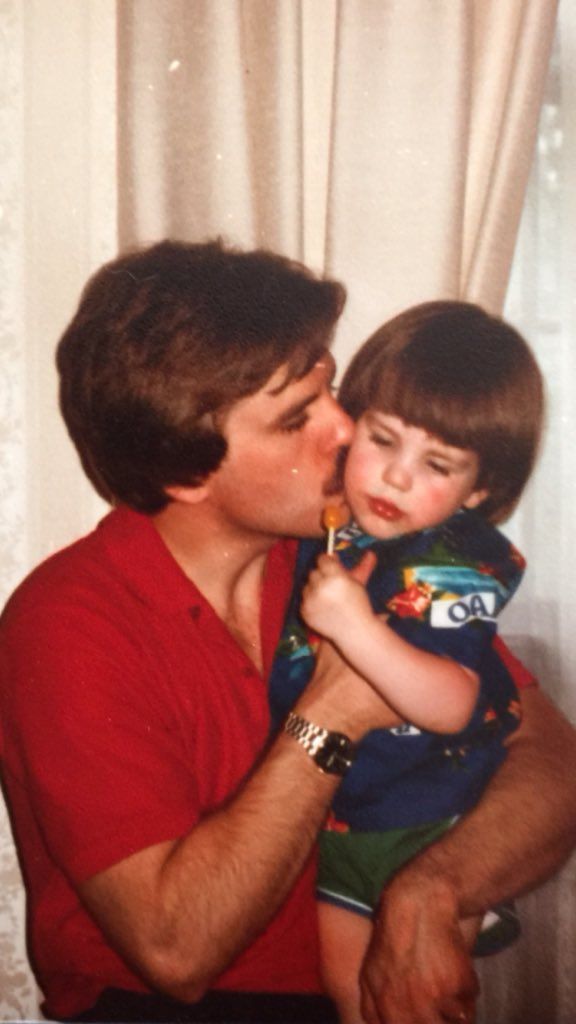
(130, 713)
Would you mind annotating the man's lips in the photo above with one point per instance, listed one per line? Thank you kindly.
(385, 509)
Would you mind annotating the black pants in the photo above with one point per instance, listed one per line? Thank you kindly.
(215, 1008)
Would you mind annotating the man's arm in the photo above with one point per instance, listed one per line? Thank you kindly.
(523, 829)
(180, 912)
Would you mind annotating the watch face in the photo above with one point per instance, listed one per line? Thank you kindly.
(335, 755)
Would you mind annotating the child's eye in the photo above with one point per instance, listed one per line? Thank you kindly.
(439, 467)
(381, 440)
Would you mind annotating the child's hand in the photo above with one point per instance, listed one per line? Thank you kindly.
(333, 599)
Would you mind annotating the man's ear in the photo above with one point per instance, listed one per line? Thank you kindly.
(186, 494)
(476, 498)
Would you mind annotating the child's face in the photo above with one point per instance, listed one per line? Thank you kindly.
(399, 479)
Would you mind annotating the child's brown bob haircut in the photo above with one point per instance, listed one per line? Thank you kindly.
(464, 376)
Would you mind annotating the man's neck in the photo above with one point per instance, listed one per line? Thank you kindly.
(226, 565)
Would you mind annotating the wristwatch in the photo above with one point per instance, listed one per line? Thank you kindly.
(332, 752)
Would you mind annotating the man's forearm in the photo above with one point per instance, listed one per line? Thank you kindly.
(181, 911)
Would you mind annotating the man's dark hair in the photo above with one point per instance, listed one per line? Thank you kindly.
(464, 376)
(167, 338)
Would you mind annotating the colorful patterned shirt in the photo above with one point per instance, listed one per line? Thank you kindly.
(443, 589)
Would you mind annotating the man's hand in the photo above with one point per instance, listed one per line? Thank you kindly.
(334, 599)
(338, 698)
(418, 970)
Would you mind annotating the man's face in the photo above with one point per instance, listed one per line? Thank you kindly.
(283, 444)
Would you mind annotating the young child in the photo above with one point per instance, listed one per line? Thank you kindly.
(448, 407)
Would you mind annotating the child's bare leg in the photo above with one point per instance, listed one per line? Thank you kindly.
(344, 940)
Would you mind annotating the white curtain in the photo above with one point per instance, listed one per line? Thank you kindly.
(57, 223)
(536, 982)
(386, 141)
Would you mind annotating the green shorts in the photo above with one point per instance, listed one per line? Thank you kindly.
(355, 866)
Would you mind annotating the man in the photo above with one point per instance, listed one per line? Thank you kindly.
(166, 842)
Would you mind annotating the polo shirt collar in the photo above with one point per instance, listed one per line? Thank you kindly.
(134, 546)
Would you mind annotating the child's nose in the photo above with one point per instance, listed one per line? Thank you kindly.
(398, 475)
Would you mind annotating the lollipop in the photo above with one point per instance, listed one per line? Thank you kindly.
(333, 517)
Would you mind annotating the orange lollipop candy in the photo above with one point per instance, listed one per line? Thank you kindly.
(333, 517)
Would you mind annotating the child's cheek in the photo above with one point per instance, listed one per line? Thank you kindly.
(362, 470)
(441, 499)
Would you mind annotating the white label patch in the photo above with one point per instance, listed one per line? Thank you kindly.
(453, 612)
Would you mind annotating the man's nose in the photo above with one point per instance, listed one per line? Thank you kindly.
(342, 425)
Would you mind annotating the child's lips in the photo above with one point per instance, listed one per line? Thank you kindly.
(385, 509)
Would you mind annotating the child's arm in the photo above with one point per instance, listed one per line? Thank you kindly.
(431, 691)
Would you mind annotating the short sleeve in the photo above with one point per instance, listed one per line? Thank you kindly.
(90, 737)
(452, 589)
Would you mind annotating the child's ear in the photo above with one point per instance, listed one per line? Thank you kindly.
(476, 498)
